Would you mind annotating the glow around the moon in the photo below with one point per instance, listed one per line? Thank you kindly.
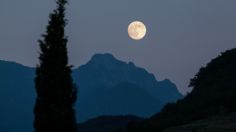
(137, 30)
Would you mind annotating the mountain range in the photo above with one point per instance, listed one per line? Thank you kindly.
(107, 86)
(112, 87)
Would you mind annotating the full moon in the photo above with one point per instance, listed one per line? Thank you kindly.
(137, 30)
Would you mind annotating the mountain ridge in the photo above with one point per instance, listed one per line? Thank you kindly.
(17, 92)
(126, 72)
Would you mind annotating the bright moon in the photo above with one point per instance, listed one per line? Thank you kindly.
(137, 30)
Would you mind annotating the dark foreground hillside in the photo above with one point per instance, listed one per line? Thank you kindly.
(214, 93)
(221, 123)
(107, 123)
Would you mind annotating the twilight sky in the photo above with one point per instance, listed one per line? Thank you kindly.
(182, 35)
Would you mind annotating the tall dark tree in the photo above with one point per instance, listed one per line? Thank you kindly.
(56, 94)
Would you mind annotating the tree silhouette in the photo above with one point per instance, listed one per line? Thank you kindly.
(56, 93)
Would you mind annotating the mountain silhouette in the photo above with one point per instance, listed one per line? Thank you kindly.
(108, 82)
(105, 69)
(17, 97)
(106, 86)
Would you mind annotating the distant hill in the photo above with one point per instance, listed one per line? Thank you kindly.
(112, 87)
(107, 86)
(107, 123)
(16, 97)
(214, 93)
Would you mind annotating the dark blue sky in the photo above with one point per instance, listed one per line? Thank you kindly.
(182, 36)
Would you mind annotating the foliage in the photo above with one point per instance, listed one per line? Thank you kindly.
(56, 93)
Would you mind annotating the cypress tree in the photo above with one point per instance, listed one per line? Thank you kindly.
(55, 91)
